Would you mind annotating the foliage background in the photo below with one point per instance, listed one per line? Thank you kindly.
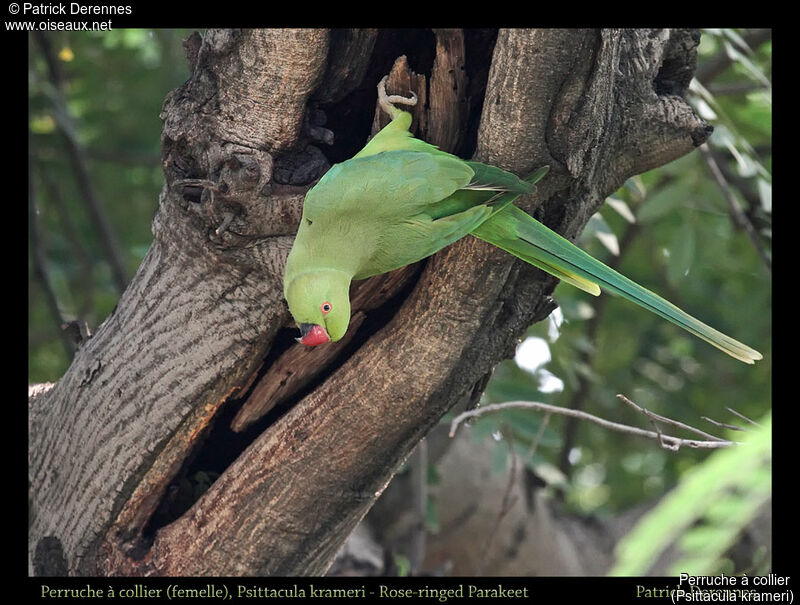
(704, 241)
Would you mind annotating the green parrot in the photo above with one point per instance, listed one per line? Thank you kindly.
(400, 199)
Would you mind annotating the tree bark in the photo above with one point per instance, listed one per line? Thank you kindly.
(202, 329)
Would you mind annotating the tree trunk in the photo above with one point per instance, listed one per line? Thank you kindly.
(201, 340)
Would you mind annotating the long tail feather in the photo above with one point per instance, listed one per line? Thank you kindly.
(525, 237)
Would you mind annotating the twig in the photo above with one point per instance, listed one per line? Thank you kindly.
(743, 417)
(673, 447)
(614, 426)
(666, 420)
(723, 425)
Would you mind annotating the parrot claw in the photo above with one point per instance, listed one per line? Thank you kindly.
(387, 101)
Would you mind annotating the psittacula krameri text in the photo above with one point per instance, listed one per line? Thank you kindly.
(400, 199)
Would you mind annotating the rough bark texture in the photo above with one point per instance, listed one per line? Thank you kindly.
(199, 333)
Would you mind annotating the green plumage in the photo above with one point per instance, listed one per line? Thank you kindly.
(400, 200)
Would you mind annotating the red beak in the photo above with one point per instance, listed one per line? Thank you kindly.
(312, 335)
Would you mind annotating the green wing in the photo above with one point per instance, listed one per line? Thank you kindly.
(388, 185)
(404, 204)
(429, 198)
(372, 212)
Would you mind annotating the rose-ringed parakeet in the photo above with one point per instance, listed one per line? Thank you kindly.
(400, 199)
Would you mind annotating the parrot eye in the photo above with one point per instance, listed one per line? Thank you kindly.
(326, 307)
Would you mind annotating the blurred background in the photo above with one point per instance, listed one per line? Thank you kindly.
(697, 231)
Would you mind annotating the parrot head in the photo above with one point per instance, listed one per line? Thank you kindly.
(319, 301)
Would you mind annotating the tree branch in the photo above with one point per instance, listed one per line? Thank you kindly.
(672, 443)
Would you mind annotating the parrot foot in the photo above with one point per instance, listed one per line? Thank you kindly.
(387, 101)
